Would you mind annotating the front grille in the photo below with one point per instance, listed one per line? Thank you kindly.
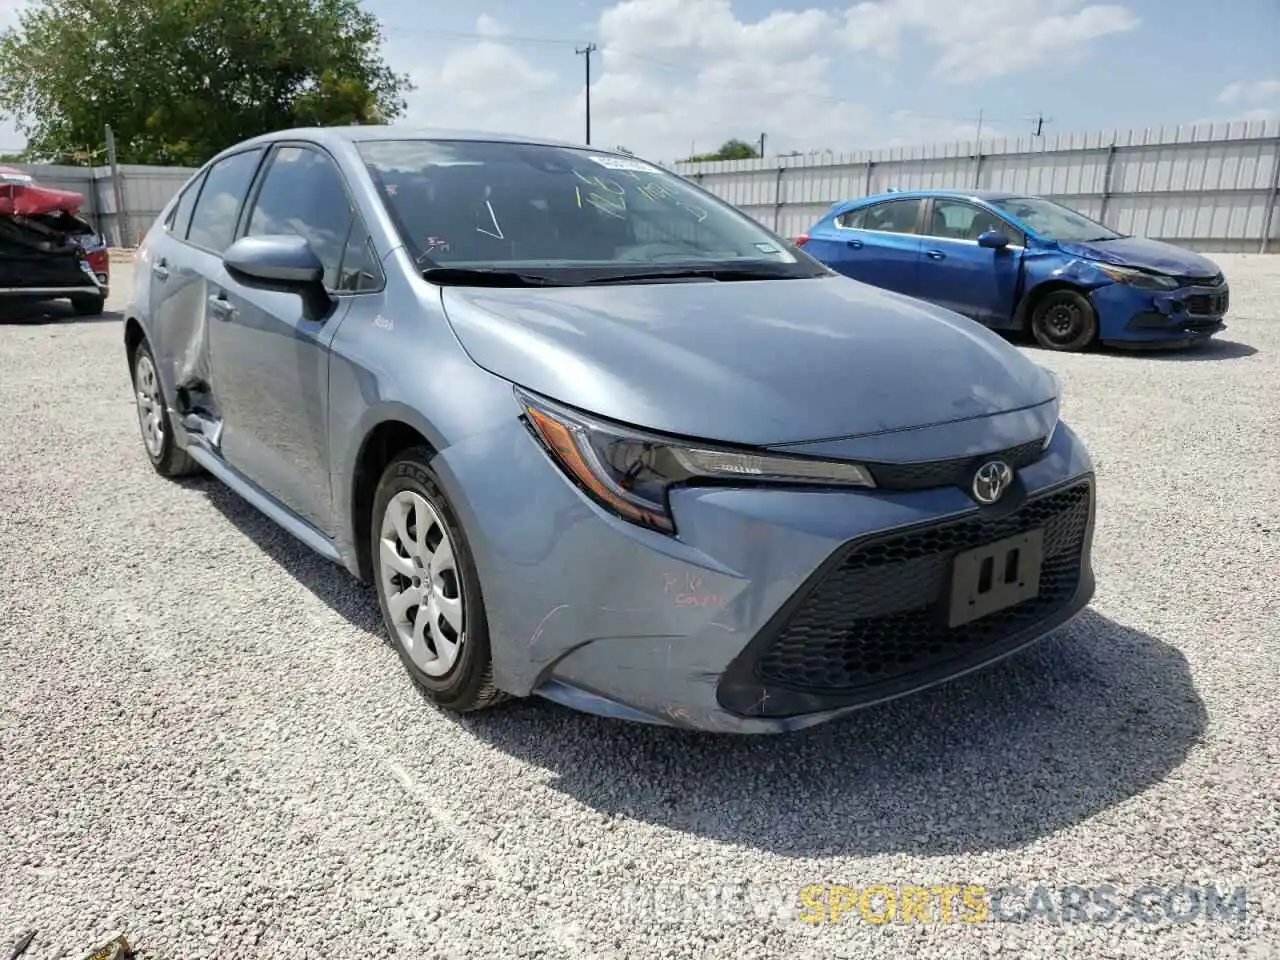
(947, 473)
(1207, 304)
(1215, 281)
(880, 614)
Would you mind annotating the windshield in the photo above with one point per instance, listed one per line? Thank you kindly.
(1052, 221)
(554, 211)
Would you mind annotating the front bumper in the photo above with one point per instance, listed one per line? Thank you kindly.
(749, 622)
(1190, 313)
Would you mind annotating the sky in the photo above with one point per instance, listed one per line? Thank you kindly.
(672, 77)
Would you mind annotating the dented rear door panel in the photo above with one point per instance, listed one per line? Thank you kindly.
(178, 285)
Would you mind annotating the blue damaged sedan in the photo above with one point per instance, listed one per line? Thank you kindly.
(598, 437)
(1019, 263)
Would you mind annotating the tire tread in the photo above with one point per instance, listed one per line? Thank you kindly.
(415, 462)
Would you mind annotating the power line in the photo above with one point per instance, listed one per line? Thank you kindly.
(666, 64)
(492, 38)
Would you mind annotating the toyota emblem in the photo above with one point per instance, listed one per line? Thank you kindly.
(991, 480)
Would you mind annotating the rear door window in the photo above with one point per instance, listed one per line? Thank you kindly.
(893, 216)
(180, 218)
(213, 222)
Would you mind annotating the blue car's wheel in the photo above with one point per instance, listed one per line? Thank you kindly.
(1064, 320)
(428, 587)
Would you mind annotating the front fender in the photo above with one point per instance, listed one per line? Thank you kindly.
(390, 369)
(1047, 268)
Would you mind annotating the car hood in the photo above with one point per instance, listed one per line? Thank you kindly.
(753, 362)
(1145, 254)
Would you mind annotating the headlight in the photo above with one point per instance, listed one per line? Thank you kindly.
(630, 473)
(1139, 279)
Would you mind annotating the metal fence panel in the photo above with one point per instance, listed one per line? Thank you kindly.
(146, 190)
(1205, 186)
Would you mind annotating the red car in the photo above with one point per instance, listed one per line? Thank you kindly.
(47, 250)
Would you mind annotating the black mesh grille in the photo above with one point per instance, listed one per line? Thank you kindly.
(881, 613)
(947, 473)
(1207, 304)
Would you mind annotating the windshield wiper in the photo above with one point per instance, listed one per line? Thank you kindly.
(484, 277)
(722, 273)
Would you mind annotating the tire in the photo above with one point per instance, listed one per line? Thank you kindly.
(1064, 320)
(454, 674)
(168, 459)
(88, 306)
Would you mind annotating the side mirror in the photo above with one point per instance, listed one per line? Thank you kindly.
(278, 262)
(993, 240)
(284, 263)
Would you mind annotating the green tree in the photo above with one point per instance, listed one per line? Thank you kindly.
(179, 80)
(729, 150)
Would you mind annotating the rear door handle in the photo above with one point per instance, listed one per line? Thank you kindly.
(935, 255)
(856, 244)
(160, 270)
(221, 307)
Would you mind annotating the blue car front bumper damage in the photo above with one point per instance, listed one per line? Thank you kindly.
(1135, 317)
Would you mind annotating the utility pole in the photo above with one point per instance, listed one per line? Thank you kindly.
(585, 53)
(977, 159)
(117, 188)
(762, 146)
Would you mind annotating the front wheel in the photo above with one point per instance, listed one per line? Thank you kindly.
(428, 587)
(1064, 320)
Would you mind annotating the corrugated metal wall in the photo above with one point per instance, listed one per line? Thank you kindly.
(146, 191)
(1208, 187)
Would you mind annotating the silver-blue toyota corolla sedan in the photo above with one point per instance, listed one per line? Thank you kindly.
(597, 436)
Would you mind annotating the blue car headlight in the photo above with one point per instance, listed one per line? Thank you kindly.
(630, 473)
(1139, 279)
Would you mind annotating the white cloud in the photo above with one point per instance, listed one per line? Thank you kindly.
(486, 85)
(487, 26)
(669, 75)
(1257, 91)
(678, 76)
(980, 39)
(911, 129)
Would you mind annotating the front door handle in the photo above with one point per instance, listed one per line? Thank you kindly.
(856, 244)
(160, 270)
(221, 307)
(935, 255)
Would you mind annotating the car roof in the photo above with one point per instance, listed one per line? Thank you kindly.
(980, 195)
(333, 136)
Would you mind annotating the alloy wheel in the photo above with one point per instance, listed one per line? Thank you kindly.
(150, 405)
(422, 583)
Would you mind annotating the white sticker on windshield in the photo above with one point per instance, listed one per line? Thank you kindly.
(767, 247)
(624, 163)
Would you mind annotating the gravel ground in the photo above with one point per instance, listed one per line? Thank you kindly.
(206, 743)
